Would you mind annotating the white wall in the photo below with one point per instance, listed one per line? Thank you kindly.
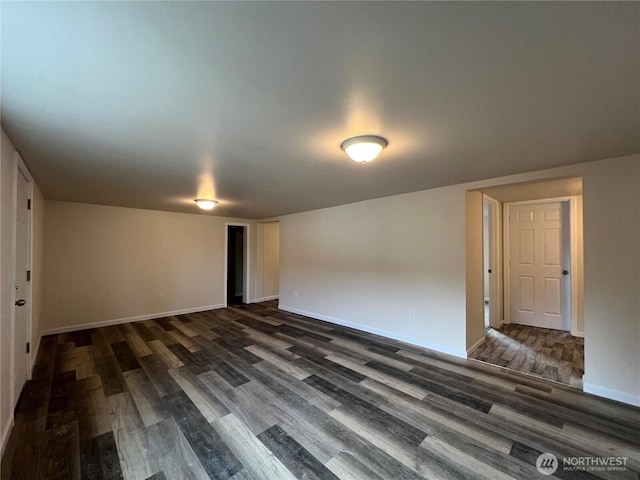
(112, 264)
(474, 279)
(6, 199)
(612, 278)
(7, 167)
(367, 264)
(37, 268)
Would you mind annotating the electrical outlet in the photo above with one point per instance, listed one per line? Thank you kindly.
(163, 297)
(412, 313)
(295, 293)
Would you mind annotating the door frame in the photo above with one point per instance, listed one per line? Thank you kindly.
(494, 257)
(20, 168)
(573, 256)
(246, 259)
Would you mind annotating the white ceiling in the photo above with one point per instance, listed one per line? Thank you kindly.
(150, 105)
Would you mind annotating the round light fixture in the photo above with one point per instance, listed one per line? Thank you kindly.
(364, 148)
(205, 203)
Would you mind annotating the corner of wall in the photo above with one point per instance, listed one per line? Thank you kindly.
(475, 345)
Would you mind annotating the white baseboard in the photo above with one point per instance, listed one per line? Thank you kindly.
(611, 394)
(118, 321)
(384, 333)
(264, 299)
(475, 345)
(577, 334)
(5, 436)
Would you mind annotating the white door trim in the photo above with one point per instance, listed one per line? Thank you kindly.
(496, 268)
(574, 266)
(20, 168)
(247, 259)
(573, 258)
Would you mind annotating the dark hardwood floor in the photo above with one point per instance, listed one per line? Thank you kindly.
(257, 393)
(552, 354)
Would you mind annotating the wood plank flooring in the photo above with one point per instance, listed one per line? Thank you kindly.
(552, 354)
(255, 393)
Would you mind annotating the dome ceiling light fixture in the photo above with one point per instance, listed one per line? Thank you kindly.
(205, 203)
(363, 148)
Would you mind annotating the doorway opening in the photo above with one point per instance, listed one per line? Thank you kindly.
(237, 264)
(532, 274)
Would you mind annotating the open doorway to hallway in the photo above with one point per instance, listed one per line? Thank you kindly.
(237, 264)
(538, 284)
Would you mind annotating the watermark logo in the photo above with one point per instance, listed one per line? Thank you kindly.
(595, 464)
(547, 464)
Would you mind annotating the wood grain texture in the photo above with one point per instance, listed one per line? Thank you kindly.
(136, 457)
(173, 453)
(552, 354)
(254, 393)
(294, 456)
(99, 458)
(209, 406)
(347, 467)
(148, 402)
(213, 453)
(137, 344)
(164, 354)
(257, 459)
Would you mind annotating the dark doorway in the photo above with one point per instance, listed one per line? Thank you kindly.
(235, 264)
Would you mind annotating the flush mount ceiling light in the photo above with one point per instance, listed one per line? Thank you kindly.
(364, 148)
(205, 203)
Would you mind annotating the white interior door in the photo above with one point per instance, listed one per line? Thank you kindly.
(22, 294)
(537, 287)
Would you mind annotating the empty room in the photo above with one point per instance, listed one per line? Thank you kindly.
(319, 240)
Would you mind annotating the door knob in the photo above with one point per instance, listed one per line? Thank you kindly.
(565, 272)
(21, 303)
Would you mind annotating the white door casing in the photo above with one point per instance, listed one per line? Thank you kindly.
(491, 262)
(246, 274)
(538, 288)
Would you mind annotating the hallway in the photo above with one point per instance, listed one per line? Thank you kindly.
(552, 354)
